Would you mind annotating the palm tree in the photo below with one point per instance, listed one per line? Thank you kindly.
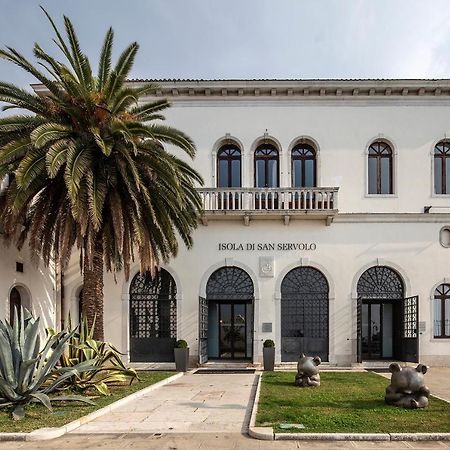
(88, 167)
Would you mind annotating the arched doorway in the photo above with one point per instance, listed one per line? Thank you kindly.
(229, 315)
(387, 321)
(304, 314)
(153, 317)
(15, 303)
(19, 297)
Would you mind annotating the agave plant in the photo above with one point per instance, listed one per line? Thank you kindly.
(106, 366)
(26, 373)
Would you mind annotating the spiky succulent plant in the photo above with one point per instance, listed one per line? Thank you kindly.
(26, 371)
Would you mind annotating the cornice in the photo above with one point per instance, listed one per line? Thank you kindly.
(392, 218)
(295, 89)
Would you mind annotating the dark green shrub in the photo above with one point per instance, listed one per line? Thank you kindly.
(181, 343)
(268, 343)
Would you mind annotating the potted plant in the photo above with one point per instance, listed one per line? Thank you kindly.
(269, 354)
(181, 355)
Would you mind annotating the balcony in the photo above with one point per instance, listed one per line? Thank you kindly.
(268, 203)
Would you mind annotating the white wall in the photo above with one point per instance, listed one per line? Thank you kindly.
(343, 251)
(35, 284)
(343, 130)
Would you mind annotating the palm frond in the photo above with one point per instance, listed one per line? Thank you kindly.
(104, 67)
(121, 71)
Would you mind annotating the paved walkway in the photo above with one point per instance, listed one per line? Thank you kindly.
(204, 441)
(194, 403)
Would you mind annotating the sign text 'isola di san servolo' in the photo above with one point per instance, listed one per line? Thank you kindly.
(266, 246)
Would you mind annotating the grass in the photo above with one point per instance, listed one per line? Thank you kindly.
(37, 416)
(345, 402)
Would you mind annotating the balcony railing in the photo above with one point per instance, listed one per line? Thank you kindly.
(270, 199)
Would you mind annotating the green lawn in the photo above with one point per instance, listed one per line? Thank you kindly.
(37, 416)
(345, 402)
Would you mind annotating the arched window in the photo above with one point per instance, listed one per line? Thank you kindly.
(442, 168)
(229, 166)
(380, 168)
(266, 166)
(303, 160)
(15, 302)
(229, 283)
(442, 311)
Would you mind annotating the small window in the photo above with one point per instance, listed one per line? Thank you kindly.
(380, 168)
(19, 267)
(303, 162)
(442, 168)
(442, 311)
(444, 236)
(266, 166)
(229, 166)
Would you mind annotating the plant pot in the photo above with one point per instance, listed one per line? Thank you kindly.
(269, 358)
(181, 359)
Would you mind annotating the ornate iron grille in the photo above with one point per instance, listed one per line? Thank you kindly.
(153, 306)
(304, 313)
(229, 283)
(380, 282)
(410, 318)
(203, 313)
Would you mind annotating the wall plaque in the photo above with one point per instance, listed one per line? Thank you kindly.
(266, 266)
(267, 327)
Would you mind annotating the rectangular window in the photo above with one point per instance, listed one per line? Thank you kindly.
(437, 317)
(438, 175)
(273, 173)
(223, 173)
(235, 173)
(297, 175)
(260, 180)
(309, 173)
(447, 317)
(373, 176)
(386, 176)
(447, 176)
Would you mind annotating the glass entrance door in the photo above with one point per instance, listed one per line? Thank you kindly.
(377, 330)
(232, 331)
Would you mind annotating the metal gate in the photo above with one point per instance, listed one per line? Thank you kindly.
(410, 329)
(153, 317)
(304, 314)
(203, 330)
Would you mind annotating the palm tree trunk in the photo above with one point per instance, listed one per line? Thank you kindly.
(92, 301)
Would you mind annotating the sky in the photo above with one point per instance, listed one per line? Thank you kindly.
(246, 39)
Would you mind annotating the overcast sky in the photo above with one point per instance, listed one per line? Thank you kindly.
(248, 38)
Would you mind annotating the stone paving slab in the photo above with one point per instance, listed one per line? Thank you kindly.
(199, 403)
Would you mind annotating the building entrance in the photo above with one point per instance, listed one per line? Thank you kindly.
(304, 314)
(377, 330)
(387, 321)
(153, 317)
(226, 316)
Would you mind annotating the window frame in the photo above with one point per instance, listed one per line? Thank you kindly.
(443, 156)
(266, 158)
(445, 295)
(303, 158)
(379, 156)
(229, 158)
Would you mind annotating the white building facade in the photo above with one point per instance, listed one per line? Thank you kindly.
(326, 228)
